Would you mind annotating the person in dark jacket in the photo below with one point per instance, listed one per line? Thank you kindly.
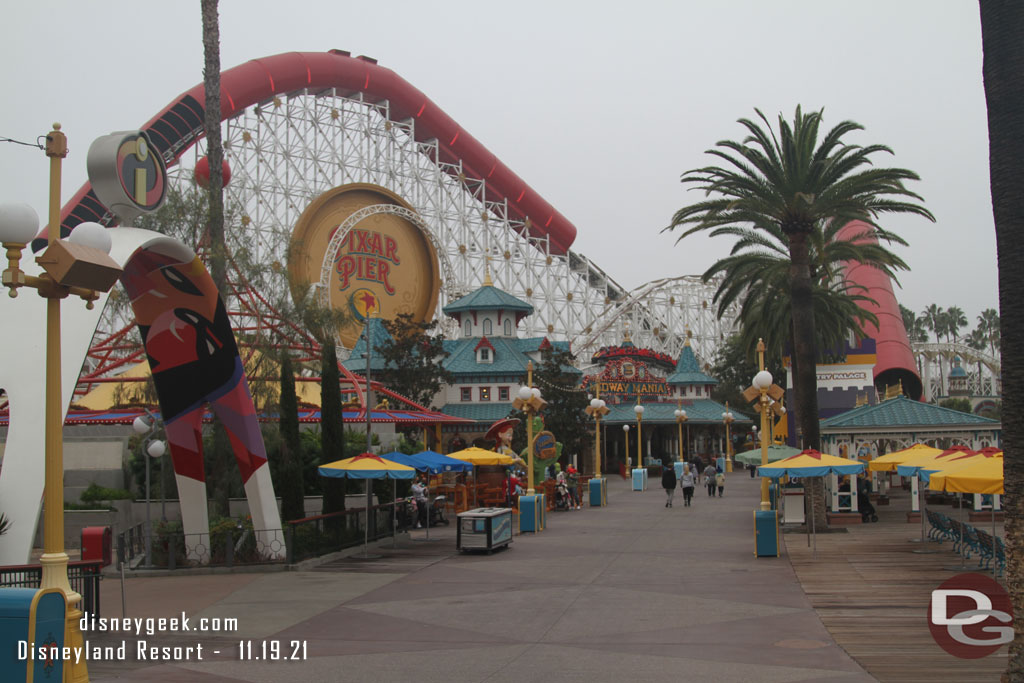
(668, 482)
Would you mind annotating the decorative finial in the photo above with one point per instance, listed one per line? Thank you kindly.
(487, 272)
(689, 335)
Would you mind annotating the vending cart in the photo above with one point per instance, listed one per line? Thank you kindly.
(484, 529)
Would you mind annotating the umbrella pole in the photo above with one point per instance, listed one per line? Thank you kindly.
(922, 505)
(394, 513)
(366, 521)
(814, 531)
(993, 533)
(963, 554)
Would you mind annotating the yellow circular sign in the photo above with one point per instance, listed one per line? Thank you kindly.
(381, 262)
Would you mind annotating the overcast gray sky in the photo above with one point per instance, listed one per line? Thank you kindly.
(600, 106)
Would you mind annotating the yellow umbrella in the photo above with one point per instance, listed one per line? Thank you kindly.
(981, 475)
(889, 461)
(482, 456)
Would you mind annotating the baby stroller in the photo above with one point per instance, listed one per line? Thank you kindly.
(562, 498)
(867, 510)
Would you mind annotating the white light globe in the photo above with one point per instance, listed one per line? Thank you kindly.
(535, 392)
(91, 235)
(140, 425)
(595, 403)
(638, 409)
(524, 393)
(682, 413)
(625, 428)
(156, 449)
(783, 409)
(678, 413)
(763, 379)
(602, 403)
(19, 223)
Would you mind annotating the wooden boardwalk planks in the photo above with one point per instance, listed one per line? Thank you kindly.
(872, 593)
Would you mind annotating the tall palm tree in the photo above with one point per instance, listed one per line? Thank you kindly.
(914, 325)
(988, 322)
(1002, 24)
(955, 319)
(214, 142)
(933, 322)
(787, 186)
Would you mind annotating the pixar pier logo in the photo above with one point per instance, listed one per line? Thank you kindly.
(970, 616)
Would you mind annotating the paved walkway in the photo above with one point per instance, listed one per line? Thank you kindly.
(630, 591)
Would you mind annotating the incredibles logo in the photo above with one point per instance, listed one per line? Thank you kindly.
(140, 172)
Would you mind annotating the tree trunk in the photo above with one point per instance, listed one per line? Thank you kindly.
(1002, 24)
(805, 354)
(214, 144)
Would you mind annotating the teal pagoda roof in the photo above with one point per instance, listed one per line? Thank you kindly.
(489, 298)
(903, 412)
(379, 336)
(698, 411)
(688, 370)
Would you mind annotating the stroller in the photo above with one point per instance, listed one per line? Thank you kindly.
(563, 500)
(867, 510)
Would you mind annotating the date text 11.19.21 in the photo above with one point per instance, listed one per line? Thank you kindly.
(273, 650)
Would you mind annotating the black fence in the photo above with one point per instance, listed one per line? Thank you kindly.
(83, 575)
(232, 543)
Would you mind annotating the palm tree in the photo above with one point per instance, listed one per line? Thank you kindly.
(955, 319)
(933, 320)
(787, 187)
(214, 143)
(914, 325)
(988, 322)
(1002, 24)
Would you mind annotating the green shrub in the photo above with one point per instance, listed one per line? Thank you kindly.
(95, 493)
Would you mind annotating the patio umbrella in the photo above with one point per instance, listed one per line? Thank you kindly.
(811, 463)
(431, 462)
(776, 452)
(366, 466)
(983, 474)
(481, 456)
(889, 461)
(912, 467)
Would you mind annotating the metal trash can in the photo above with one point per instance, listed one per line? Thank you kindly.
(766, 533)
(532, 512)
(640, 479)
(598, 492)
(484, 529)
(37, 619)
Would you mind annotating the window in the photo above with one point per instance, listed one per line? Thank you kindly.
(487, 326)
(468, 328)
(485, 355)
(502, 393)
(467, 394)
(508, 328)
(485, 393)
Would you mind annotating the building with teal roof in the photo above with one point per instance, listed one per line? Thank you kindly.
(897, 423)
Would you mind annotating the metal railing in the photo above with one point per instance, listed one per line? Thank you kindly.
(84, 576)
(231, 545)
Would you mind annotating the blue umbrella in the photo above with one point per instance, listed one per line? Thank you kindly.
(443, 463)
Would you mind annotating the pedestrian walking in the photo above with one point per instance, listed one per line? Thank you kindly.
(720, 483)
(687, 483)
(668, 482)
(710, 472)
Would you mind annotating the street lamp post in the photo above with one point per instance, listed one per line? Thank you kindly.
(625, 428)
(680, 419)
(80, 267)
(728, 418)
(639, 410)
(531, 403)
(597, 409)
(150, 448)
(767, 396)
